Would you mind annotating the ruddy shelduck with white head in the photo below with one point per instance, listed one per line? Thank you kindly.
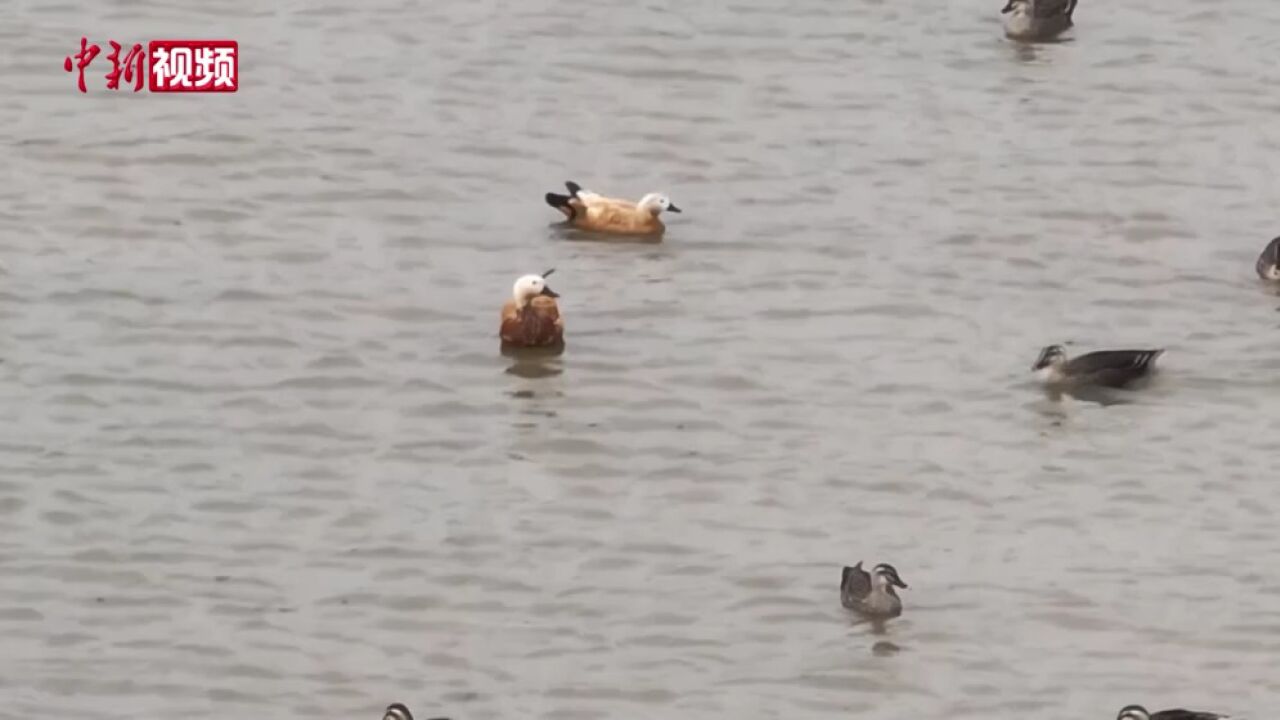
(531, 318)
(587, 210)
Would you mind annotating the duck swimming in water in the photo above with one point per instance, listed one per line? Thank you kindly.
(1268, 266)
(397, 711)
(531, 318)
(1037, 19)
(1137, 712)
(587, 210)
(1104, 368)
(871, 594)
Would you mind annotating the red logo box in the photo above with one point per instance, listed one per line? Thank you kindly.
(193, 66)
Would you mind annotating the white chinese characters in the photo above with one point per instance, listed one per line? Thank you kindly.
(225, 68)
(172, 66)
(194, 66)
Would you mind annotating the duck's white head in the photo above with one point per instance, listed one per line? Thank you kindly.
(1049, 365)
(1133, 712)
(397, 711)
(885, 574)
(530, 286)
(656, 203)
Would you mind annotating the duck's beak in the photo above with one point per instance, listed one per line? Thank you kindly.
(673, 208)
(549, 292)
(1007, 7)
(898, 581)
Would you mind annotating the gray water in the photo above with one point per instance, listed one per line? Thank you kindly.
(261, 457)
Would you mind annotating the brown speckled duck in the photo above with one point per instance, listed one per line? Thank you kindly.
(1037, 19)
(871, 594)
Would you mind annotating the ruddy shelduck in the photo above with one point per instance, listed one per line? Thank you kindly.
(591, 211)
(531, 318)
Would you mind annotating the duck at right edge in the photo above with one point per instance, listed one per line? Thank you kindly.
(1137, 712)
(1268, 265)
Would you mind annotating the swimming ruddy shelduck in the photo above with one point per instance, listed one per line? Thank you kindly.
(531, 318)
(591, 211)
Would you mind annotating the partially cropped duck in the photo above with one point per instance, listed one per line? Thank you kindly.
(1037, 19)
(397, 711)
(531, 318)
(871, 594)
(1269, 262)
(1104, 368)
(1137, 712)
(587, 210)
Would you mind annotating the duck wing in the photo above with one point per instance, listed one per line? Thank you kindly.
(1113, 367)
(855, 584)
(538, 324)
(1054, 8)
(587, 197)
(1180, 714)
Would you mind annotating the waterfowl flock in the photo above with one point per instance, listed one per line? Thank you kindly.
(531, 319)
(397, 711)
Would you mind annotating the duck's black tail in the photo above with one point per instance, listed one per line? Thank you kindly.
(561, 203)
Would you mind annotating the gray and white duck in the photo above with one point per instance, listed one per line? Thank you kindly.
(1102, 368)
(1037, 19)
(1268, 266)
(871, 594)
(398, 711)
(1137, 712)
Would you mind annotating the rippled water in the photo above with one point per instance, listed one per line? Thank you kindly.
(262, 457)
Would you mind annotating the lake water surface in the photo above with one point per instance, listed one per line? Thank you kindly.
(261, 457)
